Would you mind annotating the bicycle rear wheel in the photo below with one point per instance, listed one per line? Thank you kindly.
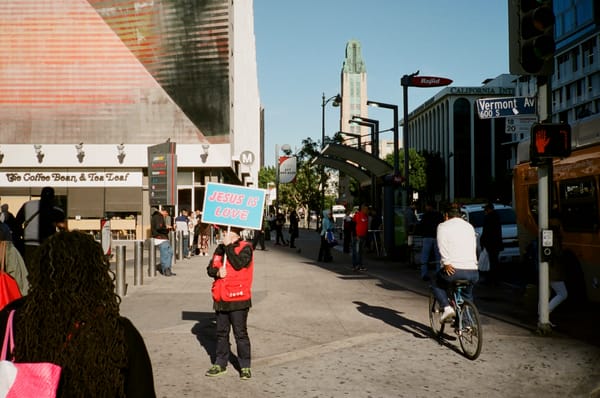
(435, 312)
(469, 330)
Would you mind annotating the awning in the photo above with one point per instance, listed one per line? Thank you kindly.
(344, 153)
(357, 173)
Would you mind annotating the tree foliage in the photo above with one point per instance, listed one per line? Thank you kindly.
(304, 190)
(416, 164)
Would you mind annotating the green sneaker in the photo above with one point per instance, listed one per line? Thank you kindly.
(216, 370)
(245, 374)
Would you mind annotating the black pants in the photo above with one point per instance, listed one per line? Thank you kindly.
(238, 320)
(259, 239)
(279, 236)
(325, 250)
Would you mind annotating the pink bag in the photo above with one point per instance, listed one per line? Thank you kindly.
(25, 380)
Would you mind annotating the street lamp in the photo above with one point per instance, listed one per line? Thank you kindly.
(390, 198)
(337, 100)
(374, 125)
(285, 148)
(395, 129)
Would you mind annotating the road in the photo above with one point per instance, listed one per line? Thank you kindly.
(320, 330)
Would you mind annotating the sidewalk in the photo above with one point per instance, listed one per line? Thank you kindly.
(302, 319)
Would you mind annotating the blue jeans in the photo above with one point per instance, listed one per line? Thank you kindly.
(358, 246)
(166, 255)
(442, 281)
(429, 244)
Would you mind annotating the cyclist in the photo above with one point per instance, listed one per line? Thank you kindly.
(457, 243)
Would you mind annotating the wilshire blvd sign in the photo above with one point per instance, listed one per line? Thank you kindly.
(490, 108)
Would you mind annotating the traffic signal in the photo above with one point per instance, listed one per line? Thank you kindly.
(550, 140)
(531, 37)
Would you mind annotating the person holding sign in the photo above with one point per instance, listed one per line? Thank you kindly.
(232, 267)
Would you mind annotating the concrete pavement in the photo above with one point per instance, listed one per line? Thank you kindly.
(318, 329)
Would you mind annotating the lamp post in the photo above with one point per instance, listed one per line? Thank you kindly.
(390, 197)
(396, 140)
(284, 147)
(337, 100)
(374, 125)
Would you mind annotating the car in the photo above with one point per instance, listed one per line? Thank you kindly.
(474, 214)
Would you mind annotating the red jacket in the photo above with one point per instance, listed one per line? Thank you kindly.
(236, 287)
(361, 221)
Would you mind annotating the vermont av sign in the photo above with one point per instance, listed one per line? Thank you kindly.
(490, 108)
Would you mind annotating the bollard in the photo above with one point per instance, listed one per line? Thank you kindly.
(179, 245)
(138, 255)
(172, 241)
(151, 257)
(121, 261)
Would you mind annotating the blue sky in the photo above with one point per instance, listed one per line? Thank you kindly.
(300, 48)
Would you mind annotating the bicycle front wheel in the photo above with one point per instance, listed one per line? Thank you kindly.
(469, 330)
(435, 312)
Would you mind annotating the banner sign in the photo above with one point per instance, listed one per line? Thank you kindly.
(233, 205)
(287, 169)
(71, 179)
(491, 108)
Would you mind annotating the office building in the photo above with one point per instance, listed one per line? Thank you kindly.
(88, 86)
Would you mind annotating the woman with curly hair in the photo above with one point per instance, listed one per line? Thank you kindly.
(70, 317)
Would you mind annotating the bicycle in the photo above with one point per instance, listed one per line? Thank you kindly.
(466, 322)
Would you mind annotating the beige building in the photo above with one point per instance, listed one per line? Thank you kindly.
(82, 103)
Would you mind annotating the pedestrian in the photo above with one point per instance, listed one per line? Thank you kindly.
(232, 267)
(279, 222)
(429, 249)
(160, 233)
(294, 228)
(326, 226)
(359, 241)
(181, 225)
(70, 318)
(259, 236)
(457, 243)
(197, 216)
(204, 240)
(14, 265)
(491, 241)
(16, 231)
(348, 228)
(557, 266)
(193, 239)
(40, 219)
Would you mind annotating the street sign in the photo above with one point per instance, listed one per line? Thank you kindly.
(520, 124)
(287, 169)
(491, 108)
(428, 81)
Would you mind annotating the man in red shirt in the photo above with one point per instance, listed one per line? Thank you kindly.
(361, 221)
